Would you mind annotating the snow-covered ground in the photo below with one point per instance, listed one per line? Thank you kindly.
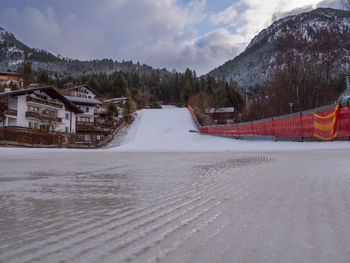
(175, 207)
(167, 130)
(203, 199)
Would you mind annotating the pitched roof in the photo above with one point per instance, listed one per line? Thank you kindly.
(116, 100)
(66, 91)
(83, 101)
(52, 92)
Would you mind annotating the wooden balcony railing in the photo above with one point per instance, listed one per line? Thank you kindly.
(11, 112)
(84, 123)
(44, 102)
(41, 117)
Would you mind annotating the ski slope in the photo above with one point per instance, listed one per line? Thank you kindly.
(282, 204)
(167, 130)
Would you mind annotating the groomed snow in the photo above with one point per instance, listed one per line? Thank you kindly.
(167, 130)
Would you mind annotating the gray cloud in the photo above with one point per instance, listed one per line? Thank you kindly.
(160, 33)
(148, 31)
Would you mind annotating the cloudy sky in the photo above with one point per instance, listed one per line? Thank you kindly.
(199, 34)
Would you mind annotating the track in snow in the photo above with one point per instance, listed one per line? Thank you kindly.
(176, 207)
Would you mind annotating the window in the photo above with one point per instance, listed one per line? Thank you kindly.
(33, 109)
(85, 119)
(87, 109)
(66, 129)
(67, 116)
(31, 125)
(80, 138)
(87, 137)
(36, 126)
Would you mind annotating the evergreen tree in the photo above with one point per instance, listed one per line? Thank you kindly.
(27, 72)
(12, 86)
(112, 111)
(3, 108)
(186, 92)
(119, 86)
(43, 77)
(127, 110)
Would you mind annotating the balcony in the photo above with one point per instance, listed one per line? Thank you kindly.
(85, 123)
(11, 112)
(44, 102)
(41, 117)
(85, 126)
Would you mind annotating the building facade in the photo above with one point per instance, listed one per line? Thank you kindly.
(87, 123)
(39, 109)
(8, 79)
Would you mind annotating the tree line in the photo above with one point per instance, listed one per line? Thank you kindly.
(148, 88)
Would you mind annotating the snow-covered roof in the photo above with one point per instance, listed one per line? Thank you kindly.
(83, 101)
(220, 110)
(116, 100)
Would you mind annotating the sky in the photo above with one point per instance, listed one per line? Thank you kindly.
(172, 34)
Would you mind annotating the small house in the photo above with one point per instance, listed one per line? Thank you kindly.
(221, 115)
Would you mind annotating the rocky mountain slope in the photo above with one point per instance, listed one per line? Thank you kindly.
(252, 67)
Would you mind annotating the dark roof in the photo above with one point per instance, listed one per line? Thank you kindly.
(52, 92)
(83, 101)
(10, 73)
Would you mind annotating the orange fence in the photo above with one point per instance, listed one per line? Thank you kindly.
(193, 116)
(298, 125)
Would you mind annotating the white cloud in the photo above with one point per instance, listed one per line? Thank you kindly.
(195, 10)
(227, 16)
(260, 14)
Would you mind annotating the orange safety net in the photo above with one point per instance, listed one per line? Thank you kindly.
(325, 127)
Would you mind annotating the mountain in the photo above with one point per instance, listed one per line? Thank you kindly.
(252, 67)
(12, 55)
(12, 52)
